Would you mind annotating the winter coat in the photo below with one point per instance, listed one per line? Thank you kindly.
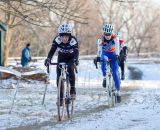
(26, 56)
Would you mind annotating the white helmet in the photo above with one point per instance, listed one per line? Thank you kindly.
(107, 28)
(118, 34)
(65, 28)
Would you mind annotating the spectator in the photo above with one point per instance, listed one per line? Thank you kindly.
(26, 56)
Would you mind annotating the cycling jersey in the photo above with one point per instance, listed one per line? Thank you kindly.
(111, 45)
(122, 44)
(122, 57)
(68, 50)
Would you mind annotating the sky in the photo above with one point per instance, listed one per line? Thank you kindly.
(155, 1)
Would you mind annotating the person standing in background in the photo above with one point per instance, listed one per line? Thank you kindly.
(26, 56)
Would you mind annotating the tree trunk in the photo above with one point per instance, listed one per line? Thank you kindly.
(7, 45)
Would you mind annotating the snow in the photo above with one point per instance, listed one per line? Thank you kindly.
(139, 110)
(11, 71)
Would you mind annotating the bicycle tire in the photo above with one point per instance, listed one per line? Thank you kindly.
(68, 98)
(69, 101)
(109, 92)
(60, 106)
(113, 94)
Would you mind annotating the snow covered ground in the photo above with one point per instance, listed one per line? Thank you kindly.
(140, 112)
(140, 107)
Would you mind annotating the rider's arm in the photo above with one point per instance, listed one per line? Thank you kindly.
(53, 49)
(99, 44)
(124, 47)
(76, 51)
(75, 45)
(116, 40)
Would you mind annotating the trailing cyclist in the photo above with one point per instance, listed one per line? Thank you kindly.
(68, 52)
(122, 56)
(108, 47)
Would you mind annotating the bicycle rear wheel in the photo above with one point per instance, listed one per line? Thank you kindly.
(61, 101)
(70, 108)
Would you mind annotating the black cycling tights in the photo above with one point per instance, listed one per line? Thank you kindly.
(121, 64)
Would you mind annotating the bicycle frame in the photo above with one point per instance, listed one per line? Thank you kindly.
(110, 85)
(64, 89)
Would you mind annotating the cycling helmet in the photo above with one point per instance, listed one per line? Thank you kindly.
(118, 34)
(65, 29)
(107, 29)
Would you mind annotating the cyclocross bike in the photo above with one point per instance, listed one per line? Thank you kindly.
(64, 89)
(110, 85)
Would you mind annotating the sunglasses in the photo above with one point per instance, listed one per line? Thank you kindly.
(107, 34)
(64, 34)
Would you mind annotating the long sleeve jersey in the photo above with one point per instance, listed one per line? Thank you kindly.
(123, 47)
(111, 45)
(70, 49)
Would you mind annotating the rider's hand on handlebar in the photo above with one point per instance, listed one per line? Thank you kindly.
(47, 62)
(117, 57)
(73, 61)
(97, 59)
(76, 62)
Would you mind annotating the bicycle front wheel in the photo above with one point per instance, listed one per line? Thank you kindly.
(111, 92)
(60, 99)
(69, 101)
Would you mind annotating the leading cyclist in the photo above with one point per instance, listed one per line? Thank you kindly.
(68, 53)
(108, 47)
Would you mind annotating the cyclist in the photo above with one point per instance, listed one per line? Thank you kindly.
(122, 56)
(68, 53)
(108, 47)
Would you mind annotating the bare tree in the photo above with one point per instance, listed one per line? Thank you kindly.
(141, 29)
(16, 12)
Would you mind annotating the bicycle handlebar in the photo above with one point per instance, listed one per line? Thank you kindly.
(62, 63)
(95, 62)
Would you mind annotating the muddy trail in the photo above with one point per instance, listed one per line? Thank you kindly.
(89, 102)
